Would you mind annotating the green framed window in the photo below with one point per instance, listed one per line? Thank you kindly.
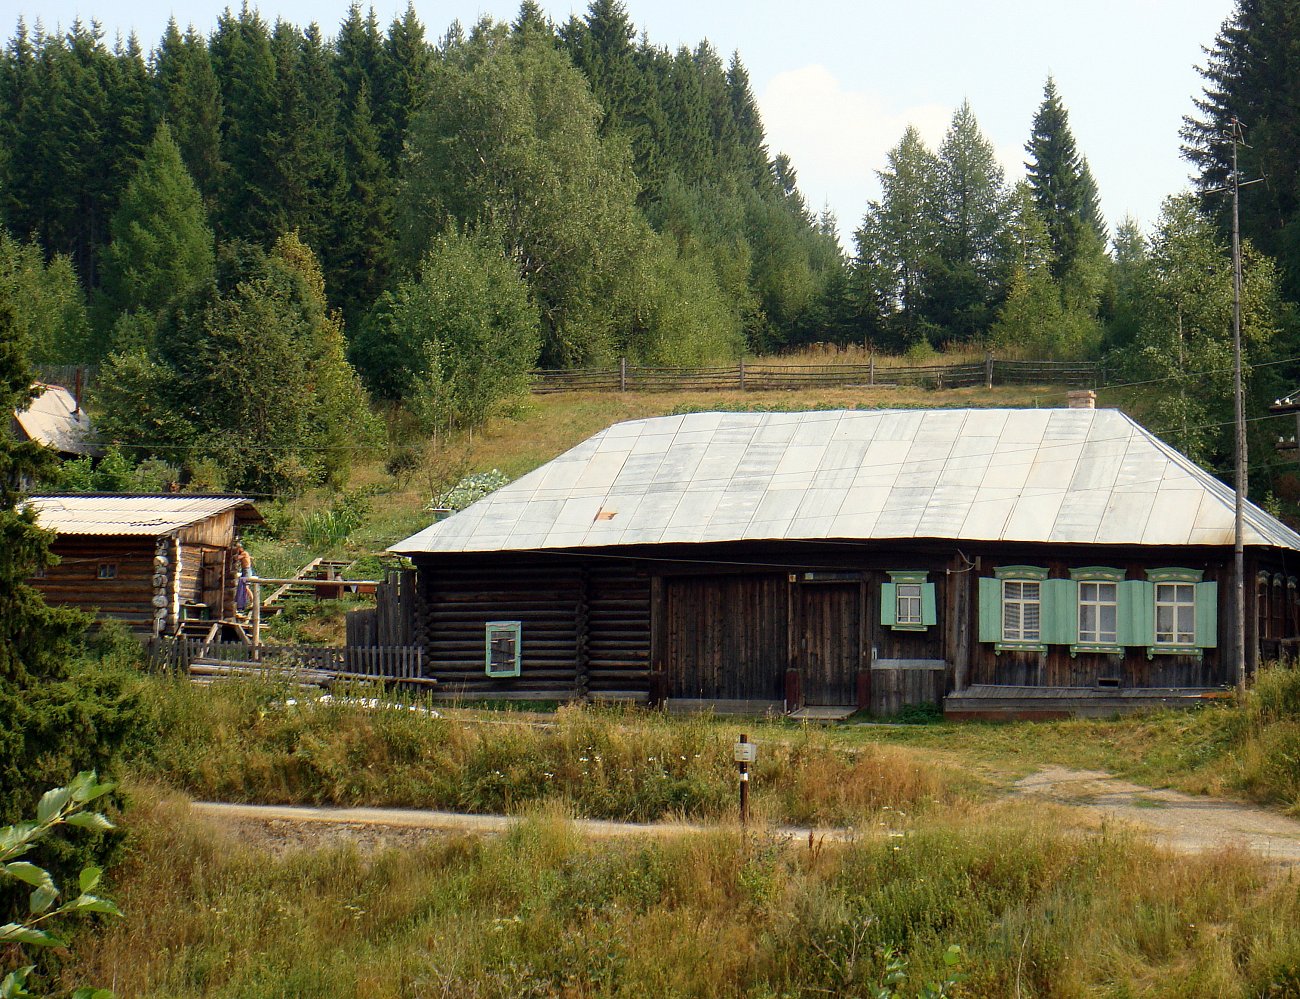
(907, 602)
(1100, 593)
(1184, 612)
(502, 652)
(1014, 608)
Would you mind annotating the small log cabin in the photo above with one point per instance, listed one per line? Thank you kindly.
(999, 562)
(150, 561)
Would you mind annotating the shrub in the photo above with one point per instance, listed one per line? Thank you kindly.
(470, 489)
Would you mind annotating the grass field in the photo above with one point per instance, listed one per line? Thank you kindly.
(941, 856)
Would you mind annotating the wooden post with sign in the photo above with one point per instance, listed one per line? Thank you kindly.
(745, 753)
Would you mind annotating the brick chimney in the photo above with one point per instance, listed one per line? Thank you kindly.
(1083, 399)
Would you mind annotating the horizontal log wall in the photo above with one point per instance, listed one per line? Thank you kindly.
(618, 630)
(459, 602)
(551, 599)
(75, 581)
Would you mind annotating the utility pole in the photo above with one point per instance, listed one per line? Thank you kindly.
(1239, 405)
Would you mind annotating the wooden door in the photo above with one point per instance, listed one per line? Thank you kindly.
(726, 637)
(829, 641)
(213, 581)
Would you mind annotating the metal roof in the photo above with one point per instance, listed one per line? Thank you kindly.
(115, 516)
(55, 420)
(1069, 476)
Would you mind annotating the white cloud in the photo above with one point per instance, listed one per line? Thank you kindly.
(838, 138)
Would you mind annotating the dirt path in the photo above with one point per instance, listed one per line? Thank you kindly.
(281, 827)
(1182, 821)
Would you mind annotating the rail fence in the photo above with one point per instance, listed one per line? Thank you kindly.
(192, 655)
(759, 376)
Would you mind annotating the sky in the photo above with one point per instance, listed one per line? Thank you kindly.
(838, 82)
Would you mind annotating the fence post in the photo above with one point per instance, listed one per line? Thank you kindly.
(988, 369)
(871, 369)
(742, 374)
(622, 374)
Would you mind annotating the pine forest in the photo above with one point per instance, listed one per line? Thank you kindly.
(261, 236)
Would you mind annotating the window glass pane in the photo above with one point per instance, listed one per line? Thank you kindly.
(1109, 616)
(1031, 621)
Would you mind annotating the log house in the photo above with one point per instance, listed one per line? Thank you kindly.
(1000, 562)
(152, 562)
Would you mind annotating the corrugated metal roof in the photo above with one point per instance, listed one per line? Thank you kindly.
(1070, 476)
(115, 516)
(53, 419)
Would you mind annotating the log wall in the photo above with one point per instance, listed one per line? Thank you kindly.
(726, 621)
(75, 581)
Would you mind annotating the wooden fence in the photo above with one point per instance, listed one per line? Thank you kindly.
(386, 662)
(72, 377)
(391, 622)
(758, 376)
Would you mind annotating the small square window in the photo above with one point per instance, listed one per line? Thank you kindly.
(908, 597)
(108, 570)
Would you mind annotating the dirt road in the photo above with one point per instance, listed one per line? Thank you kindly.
(1182, 821)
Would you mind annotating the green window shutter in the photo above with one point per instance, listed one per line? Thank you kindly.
(1137, 609)
(929, 612)
(1060, 613)
(1207, 615)
(888, 604)
(990, 612)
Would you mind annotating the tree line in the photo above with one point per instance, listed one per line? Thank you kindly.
(424, 220)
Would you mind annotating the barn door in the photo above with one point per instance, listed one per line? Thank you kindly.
(829, 641)
(726, 637)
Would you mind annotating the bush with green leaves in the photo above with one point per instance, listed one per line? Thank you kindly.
(247, 371)
(47, 902)
(470, 489)
(331, 526)
(457, 339)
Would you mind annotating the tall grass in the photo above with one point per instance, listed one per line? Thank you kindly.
(259, 742)
(542, 912)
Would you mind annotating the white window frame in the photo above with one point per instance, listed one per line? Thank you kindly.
(1176, 638)
(1021, 602)
(911, 600)
(1097, 602)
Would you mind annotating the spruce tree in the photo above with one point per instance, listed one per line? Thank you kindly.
(245, 65)
(964, 283)
(52, 723)
(189, 98)
(1055, 172)
(1250, 74)
(406, 78)
(362, 258)
(896, 242)
(161, 245)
